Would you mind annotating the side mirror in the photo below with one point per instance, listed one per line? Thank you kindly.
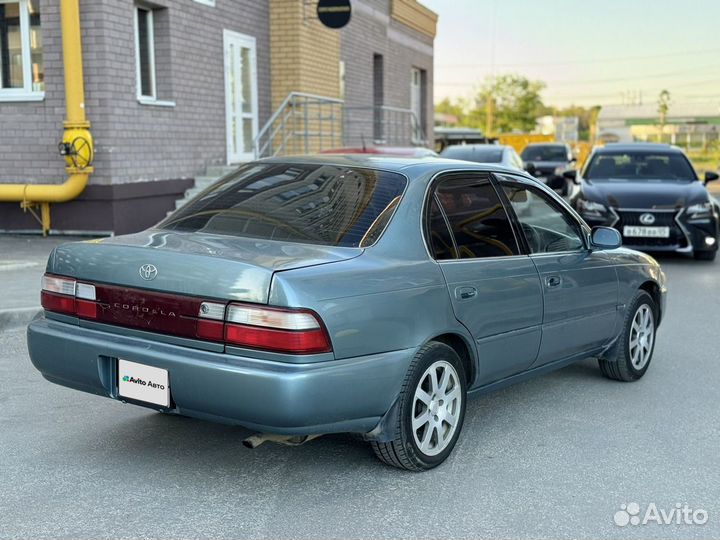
(530, 168)
(710, 176)
(605, 238)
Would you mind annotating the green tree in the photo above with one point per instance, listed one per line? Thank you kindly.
(513, 100)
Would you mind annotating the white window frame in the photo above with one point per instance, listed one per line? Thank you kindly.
(415, 71)
(210, 3)
(151, 53)
(25, 93)
(250, 43)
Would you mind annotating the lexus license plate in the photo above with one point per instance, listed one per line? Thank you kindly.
(646, 232)
(143, 383)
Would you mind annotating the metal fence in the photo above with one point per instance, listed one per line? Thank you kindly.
(306, 123)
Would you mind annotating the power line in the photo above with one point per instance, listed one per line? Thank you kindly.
(586, 61)
(612, 80)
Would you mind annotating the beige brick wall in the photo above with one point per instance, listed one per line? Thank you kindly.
(304, 54)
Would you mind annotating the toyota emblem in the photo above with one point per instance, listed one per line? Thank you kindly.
(148, 272)
(647, 219)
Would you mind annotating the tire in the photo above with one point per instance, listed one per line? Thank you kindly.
(425, 447)
(632, 361)
(705, 255)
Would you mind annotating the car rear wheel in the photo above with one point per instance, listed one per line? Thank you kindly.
(637, 342)
(705, 255)
(432, 409)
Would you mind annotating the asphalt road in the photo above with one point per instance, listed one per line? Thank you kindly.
(553, 457)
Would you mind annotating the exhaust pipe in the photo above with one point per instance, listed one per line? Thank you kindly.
(255, 440)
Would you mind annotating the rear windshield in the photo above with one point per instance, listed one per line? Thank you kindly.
(639, 166)
(545, 153)
(312, 204)
(473, 153)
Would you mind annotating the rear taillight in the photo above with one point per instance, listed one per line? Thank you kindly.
(65, 295)
(290, 331)
(276, 329)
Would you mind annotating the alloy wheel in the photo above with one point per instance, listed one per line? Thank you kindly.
(436, 408)
(642, 336)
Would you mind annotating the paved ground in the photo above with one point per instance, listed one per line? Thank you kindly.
(22, 263)
(554, 457)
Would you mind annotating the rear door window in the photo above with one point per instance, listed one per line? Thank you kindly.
(479, 223)
(306, 203)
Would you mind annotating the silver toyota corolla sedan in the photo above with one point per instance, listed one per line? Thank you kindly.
(303, 296)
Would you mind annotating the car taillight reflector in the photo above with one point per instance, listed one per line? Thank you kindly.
(297, 342)
(65, 295)
(276, 329)
(58, 285)
(272, 317)
(57, 302)
(211, 321)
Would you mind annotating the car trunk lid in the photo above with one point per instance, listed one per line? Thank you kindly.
(190, 264)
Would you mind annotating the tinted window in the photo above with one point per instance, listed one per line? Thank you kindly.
(314, 204)
(639, 166)
(474, 153)
(441, 242)
(478, 220)
(545, 153)
(548, 229)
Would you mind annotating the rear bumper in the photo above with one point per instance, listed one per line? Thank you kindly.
(324, 397)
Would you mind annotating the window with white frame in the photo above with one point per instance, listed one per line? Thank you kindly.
(145, 53)
(22, 73)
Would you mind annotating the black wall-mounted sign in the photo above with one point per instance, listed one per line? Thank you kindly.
(334, 13)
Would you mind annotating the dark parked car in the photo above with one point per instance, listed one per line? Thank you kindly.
(397, 151)
(652, 195)
(548, 162)
(301, 296)
(485, 153)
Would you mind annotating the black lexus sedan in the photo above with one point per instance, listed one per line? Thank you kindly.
(652, 195)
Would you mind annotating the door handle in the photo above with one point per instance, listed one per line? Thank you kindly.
(552, 281)
(465, 293)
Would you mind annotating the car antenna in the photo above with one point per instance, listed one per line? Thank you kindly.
(362, 138)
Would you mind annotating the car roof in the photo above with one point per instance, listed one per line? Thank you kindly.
(479, 146)
(546, 144)
(637, 147)
(403, 165)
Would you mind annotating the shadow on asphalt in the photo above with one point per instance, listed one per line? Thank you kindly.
(174, 441)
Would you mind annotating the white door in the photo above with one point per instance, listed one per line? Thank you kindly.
(416, 101)
(241, 110)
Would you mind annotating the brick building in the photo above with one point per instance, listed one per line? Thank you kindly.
(176, 90)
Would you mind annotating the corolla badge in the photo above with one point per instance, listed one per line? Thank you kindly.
(148, 272)
(647, 219)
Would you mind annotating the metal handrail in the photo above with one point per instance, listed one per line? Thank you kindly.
(293, 125)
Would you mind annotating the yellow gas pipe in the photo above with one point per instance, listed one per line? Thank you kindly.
(77, 143)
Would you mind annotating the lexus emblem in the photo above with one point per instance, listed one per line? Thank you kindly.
(148, 272)
(647, 219)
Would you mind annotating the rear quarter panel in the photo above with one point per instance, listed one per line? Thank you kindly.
(391, 297)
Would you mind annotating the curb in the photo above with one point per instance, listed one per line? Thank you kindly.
(18, 317)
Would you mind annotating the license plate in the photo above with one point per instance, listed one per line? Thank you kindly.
(143, 383)
(646, 232)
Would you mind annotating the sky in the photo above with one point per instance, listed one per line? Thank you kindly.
(599, 52)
